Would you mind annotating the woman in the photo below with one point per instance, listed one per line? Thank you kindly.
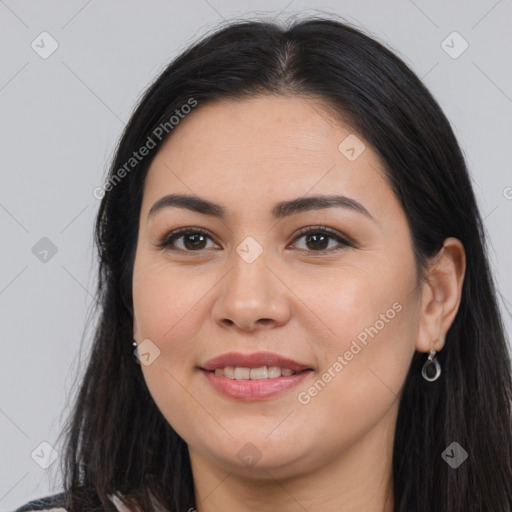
(290, 239)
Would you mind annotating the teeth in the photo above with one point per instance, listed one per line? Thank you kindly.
(228, 372)
(259, 373)
(274, 371)
(242, 373)
(264, 372)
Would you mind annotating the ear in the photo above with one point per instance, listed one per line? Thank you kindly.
(440, 295)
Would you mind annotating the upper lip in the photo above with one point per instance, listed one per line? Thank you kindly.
(255, 360)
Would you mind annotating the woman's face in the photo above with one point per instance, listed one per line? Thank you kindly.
(343, 306)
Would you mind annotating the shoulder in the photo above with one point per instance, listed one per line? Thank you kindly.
(55, 503)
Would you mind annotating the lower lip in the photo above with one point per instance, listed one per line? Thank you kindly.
(256, 389)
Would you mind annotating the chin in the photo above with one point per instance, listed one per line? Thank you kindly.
(259, 456)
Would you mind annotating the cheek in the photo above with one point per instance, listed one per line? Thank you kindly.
(364, 365)
(362, 301)
(368, 321)
(164, 303)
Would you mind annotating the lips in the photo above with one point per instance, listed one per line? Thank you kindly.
(240, 386)
(255, 360)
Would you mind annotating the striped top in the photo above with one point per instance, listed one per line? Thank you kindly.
(55, 502)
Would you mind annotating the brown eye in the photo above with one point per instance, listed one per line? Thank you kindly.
(317, 240)
(192, 240)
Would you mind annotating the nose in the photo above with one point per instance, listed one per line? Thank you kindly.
(252, 296)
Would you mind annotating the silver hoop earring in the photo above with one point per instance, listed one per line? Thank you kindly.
(431, 361)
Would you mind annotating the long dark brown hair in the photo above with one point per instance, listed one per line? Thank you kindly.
(117, 440)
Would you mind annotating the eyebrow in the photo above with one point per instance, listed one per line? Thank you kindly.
(279, 211)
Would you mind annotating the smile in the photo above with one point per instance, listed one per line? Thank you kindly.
(255, 376)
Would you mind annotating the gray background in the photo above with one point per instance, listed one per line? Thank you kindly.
(61, 118)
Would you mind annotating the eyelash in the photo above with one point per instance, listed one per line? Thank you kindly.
(167, 240)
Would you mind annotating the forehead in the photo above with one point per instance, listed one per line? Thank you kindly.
(265, 149)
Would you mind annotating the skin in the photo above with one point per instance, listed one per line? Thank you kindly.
(333, 453)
